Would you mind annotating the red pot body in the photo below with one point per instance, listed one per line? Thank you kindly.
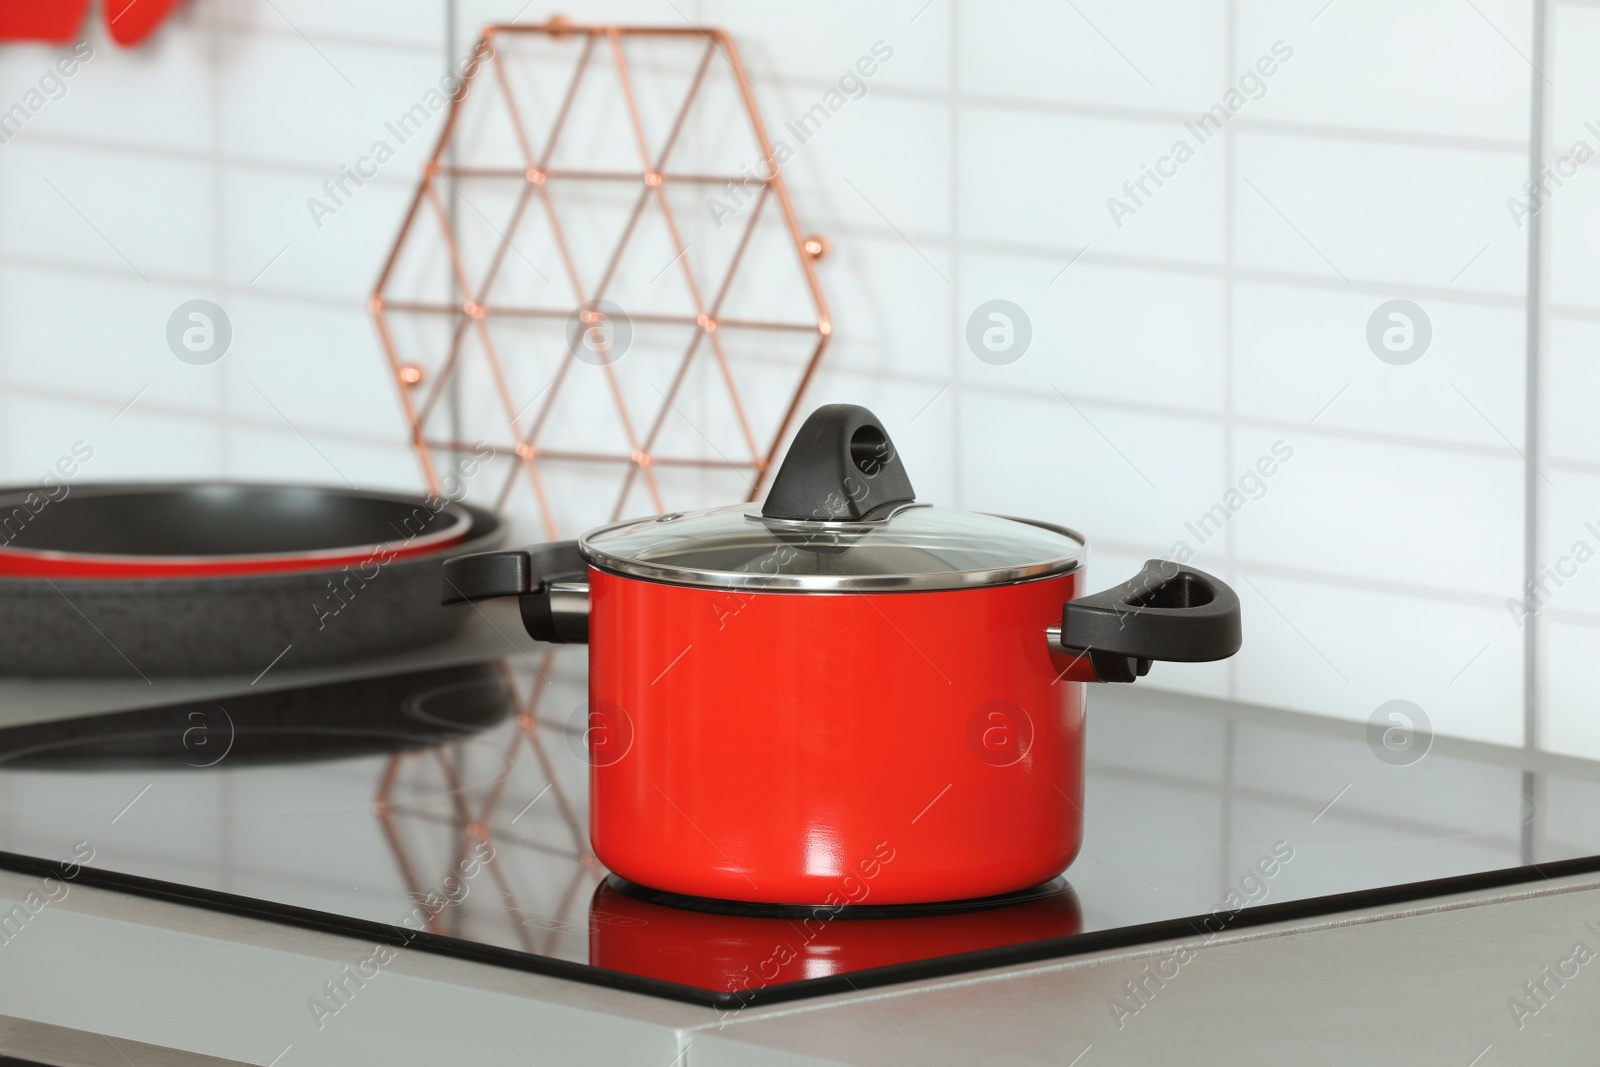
(828, 748)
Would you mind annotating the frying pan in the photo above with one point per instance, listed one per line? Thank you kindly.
(190, 531)
(212, 578)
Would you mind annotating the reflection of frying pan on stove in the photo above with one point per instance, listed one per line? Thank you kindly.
(212, 578)
(343, 720)
(726, 947)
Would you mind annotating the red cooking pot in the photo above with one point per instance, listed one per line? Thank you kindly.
(845, 692)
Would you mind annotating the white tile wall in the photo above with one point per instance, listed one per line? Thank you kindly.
(1570, 623)
(1226, 314)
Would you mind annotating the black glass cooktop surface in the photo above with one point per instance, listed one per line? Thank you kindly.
(443, 810)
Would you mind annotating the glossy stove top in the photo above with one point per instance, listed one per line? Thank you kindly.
(443, 809)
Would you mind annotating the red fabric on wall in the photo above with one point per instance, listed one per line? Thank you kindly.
(56, 21)
(130, 22)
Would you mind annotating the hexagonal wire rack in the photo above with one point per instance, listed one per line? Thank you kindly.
(461, 300)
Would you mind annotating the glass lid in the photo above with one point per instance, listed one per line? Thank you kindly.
(917, 547)
(841, 515)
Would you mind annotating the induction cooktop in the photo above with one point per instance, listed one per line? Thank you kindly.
(443, 809)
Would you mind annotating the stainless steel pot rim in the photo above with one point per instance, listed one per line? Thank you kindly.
(673, 574)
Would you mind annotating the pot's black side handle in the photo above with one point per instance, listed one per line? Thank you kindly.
(550, 582)
(1165, 612)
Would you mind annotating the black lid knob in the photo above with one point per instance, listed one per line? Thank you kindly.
(841, 467)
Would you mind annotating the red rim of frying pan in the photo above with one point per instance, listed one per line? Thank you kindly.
(49, 563)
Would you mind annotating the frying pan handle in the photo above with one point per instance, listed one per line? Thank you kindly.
(550, 582)
(1165, 612)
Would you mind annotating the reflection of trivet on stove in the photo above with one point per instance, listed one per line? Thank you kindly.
(434, 795)
(711, 906)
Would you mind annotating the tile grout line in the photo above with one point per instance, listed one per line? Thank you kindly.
(7, 421)
(1438, 445)
(957, 333)
(219, 224)
(1229, 224)
(1532, 725)
(453, 203)
(1165, 266)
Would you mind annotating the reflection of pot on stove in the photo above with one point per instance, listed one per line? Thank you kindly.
(725, 947)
